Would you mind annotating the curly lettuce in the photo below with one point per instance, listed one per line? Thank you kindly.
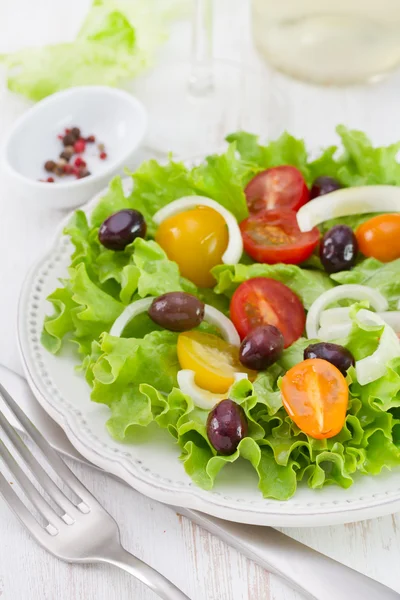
(280, 453)
(358, 163)
(136, 375)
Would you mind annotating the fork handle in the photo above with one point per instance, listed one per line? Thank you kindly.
(160, 585)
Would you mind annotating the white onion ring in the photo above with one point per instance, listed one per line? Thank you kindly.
(234, 250)
(201, 397)
(130, 312)
(334, 332)
(349, 201)
(342, 292)
(211, 315)
(331, 317)
(374, 366)
(226, 327)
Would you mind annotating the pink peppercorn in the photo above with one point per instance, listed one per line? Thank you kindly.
(80, 146)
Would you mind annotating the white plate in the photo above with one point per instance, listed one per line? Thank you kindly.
(151, 465)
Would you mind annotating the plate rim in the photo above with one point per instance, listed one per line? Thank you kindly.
(185, 495)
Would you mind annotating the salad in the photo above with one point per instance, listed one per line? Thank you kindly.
(248, 306)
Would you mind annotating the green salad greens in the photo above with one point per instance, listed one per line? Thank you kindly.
(136, 375)
(118, 39)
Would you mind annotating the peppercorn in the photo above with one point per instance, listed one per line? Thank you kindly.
(50, 165)
(91, 139)
(79, 162)
(83, 172)
(79, 146)
(69, 139)
(59, 170)
(68, 169)
(76, 132)
(67, 153)
(101, 147)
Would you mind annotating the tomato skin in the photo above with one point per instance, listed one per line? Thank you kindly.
(274, 236)
(315, 395)
(213, 360)
(265, 301)
(280, 187)
(379, 237)
(196, 240)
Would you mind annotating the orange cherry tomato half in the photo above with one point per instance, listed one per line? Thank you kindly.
(315, 395)
(273, 236)
(195, 239)
(279, 187)
(264, 301)
(379, 237)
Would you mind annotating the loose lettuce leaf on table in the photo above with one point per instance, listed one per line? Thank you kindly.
(117, 40)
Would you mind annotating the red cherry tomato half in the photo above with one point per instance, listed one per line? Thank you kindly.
(280, 187)
(274, 236)
(264, 301)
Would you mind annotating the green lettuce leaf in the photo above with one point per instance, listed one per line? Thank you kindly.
(60, 323)
(82, 311)
(220, 177)
(384, 277)
(118, 39)
(286, 150)
(363, 164)
(359, 162)
(113, 201)
(101, 282)
(125, 364)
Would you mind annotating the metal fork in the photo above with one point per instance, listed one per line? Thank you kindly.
(79, 530)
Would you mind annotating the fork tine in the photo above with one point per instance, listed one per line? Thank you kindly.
(51, 455)
(65, 504)
(21, 511)
(44, 508)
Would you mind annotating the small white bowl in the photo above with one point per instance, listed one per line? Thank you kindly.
(114, 117)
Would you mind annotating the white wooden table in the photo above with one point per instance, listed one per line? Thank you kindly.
(203, 566)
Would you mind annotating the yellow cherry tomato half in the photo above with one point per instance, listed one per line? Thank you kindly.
(315, 395)
(195, 239)
(213, 360)
(379, 237)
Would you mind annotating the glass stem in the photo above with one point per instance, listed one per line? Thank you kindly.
(201, 78)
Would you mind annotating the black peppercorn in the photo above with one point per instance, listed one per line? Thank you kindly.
(69, 140)
(76, 132)
(50, 165)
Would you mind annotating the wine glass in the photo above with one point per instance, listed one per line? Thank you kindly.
(194, 104)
